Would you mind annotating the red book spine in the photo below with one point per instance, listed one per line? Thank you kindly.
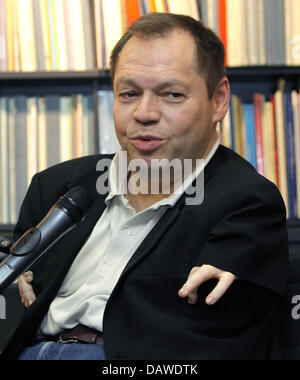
(132, 11)
(223, 25)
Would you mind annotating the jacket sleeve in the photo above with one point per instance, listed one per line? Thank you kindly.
(31, 211)
(251, 240)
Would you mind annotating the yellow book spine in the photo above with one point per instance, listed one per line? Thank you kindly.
(26, 34)
(46, 35)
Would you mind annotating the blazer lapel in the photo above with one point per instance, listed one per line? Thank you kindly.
(168, 218)
(77, 237)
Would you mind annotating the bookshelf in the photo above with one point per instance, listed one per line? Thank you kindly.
(86, 58)
(245, 81)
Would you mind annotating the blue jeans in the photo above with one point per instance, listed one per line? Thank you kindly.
(63, 351)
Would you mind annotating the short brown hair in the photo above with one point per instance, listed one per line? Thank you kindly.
(210, 49)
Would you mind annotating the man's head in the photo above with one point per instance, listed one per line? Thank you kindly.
(210, 49)
(164, 106)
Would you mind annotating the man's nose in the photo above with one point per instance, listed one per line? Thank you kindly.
(147, 110)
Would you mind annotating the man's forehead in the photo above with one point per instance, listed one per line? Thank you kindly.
(172, 50)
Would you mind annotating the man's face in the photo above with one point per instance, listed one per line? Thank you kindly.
(161, 107)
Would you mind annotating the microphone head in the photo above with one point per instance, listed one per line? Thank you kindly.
(75, 203)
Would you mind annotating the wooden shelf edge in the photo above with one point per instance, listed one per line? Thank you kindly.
(44, 75)
(98, 74)
(263, 71)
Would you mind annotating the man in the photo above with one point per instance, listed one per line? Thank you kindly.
(118, 276)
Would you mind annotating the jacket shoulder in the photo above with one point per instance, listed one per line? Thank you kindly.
(71, 169)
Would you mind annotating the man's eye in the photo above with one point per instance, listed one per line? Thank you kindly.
(128, 94)
(174, 95)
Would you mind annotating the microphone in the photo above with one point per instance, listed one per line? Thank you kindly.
(5, 244)
(63, 217)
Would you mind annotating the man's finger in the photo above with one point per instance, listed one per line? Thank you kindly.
(197, 277)
(221, 288)
(26, 291)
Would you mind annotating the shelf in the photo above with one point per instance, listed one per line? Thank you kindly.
(45, 75)
(53, 83)
(262, 71)
(233, 72)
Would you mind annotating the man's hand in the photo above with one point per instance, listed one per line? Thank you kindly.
(199, 275)
(26, 290)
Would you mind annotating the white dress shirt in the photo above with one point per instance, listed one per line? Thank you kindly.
(98, 266)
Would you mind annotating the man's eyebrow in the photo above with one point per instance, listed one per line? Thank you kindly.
(161, 85)
(126, 80)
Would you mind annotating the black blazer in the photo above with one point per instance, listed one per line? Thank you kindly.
(240, 227)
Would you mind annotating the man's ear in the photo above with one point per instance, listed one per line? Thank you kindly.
(221, 100)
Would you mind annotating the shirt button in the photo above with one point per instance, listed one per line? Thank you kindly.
(128, 233)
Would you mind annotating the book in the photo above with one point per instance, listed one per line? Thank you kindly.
(251, 30)
(178, 7)
(60, 35)
(269, 147)
(225, 131)
(4, 156)
(259, 100)
(10, 35)
(89, 141)
(295, 99)
(45, 22)
(160, 5)
(3, 36)
(276, 158)
(78, 119)
(38, 32)
(112, 15)
(76, 21)
(32, 138)
(20, 134)
(26, 35)
(288, 20)
(261, 37)
(238, 130)
(69, 37)
(193, 9)
(52, 34)
(42, 134)
(250, 133)
(108, 142)
(88, 36)
(275, 36)
(235, 26)
(280, 133)
(66, 132)
(52, 129)
(12, 161)
(223, 25)
(231, 119)
(290, 152)
(133, 11)
(295, 34)
(99, 37)
(152, 6)
(213, 15)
